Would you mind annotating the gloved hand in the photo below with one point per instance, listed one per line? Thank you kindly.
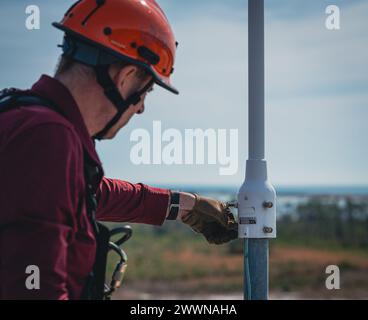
(213, 219)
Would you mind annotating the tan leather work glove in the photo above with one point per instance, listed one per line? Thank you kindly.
(213, 219)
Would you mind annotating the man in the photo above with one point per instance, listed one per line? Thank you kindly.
(53, 189)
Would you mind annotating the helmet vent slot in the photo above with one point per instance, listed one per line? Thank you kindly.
(71, 8)
(149, 55)
(99, 4)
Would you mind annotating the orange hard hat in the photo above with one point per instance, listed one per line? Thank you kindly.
(134, 31)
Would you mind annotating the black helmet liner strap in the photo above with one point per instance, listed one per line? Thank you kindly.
(100, 60)
(113, 94)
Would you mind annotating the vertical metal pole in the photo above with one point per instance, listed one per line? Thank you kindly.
(256, 67)
(256, 250)
(258, 268)
(247, 285)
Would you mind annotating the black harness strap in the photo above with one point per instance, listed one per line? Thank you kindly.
(14, 98)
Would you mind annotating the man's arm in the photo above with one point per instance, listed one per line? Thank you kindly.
(38, 202)
(121, 201)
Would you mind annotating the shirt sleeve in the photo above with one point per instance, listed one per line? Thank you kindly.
(121, 201)
(38, 201)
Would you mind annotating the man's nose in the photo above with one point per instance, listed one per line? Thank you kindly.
(141, 109)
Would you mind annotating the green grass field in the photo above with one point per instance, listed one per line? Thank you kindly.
(175, 259)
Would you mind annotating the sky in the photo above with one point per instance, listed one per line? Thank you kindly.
(316, 87)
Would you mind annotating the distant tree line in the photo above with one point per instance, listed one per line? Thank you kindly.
(321, 222)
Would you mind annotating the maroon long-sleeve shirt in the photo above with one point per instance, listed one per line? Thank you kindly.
(42, 190)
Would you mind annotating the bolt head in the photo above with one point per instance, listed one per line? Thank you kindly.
(267, 205)
(267, 230)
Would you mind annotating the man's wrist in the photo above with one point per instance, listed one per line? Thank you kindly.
(174, 206)
(181, 203)
(187, 202)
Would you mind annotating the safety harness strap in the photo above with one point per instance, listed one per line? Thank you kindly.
(12, 98)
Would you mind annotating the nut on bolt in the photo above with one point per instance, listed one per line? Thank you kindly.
(267, 205)
(232, 204)
(267, 230)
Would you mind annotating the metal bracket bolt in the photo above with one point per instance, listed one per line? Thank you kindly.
(232, 204)
(267, 205)
(267, 230)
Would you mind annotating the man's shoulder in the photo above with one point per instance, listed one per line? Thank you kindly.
(34, 116)
(17, 122)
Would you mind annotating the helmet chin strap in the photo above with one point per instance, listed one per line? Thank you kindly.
(113, 94)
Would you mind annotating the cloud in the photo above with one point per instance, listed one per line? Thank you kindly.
(304, 58)
(318, 140)
(316, 86)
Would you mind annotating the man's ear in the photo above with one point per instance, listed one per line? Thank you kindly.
(124, 79)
